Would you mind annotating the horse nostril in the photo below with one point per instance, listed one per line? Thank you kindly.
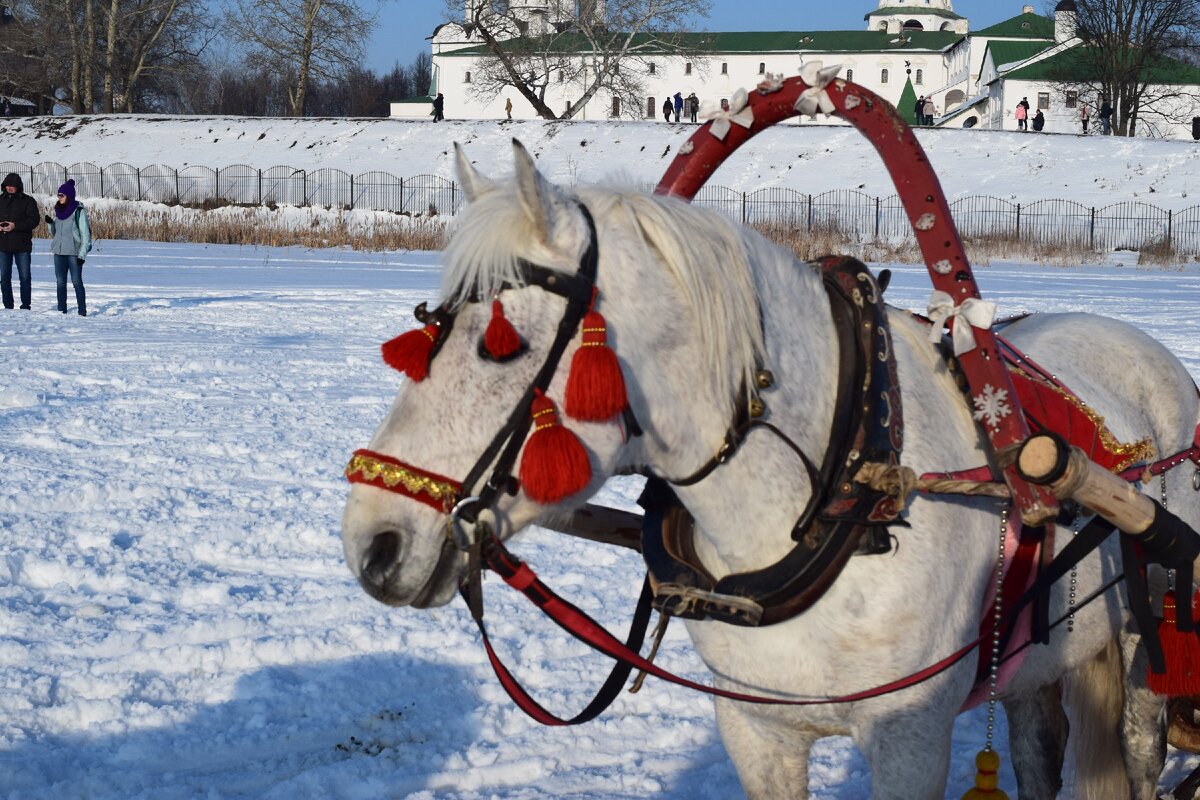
(380, 557)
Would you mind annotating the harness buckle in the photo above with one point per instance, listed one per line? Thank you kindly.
(456, 528)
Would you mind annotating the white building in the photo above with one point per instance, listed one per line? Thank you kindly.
(909, 48)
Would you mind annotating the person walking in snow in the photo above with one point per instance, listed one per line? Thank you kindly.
(919, 110)
(18, 220)
(70, 242)
(1039, 121)
(1085, 116)
(439, 103)
(693, 106)
(678, 106)
(667, 109)
(1022, 113)
(930, 110)
(1105, 117)
(508, 106)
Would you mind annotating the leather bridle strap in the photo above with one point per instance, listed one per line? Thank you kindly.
(577, 291)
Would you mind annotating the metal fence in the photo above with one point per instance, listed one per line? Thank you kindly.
(859, 216)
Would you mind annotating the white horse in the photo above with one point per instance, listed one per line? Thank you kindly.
(694, 304)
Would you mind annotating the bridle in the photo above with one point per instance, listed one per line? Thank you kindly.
(459, 499)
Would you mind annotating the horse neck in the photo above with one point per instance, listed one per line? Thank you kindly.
(746, 508)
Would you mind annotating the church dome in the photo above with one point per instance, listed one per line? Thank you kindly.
(1066, 5)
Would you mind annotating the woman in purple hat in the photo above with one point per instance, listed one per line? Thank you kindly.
(71, 241)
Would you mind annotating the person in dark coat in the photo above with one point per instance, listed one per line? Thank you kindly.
(667, 109)
(919, 110)
(1039, 120)
(678, 106)
(1105, 117)
(19, 217)
(693, 106)
(438, 104)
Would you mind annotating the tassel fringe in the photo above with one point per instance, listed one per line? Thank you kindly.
(501, 339)
(410, 352)
(555, 464)
(595, 386)
(1181, 650)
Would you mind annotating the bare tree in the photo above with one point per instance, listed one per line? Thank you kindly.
(303, 39)
(587, 45)
(1131, 56)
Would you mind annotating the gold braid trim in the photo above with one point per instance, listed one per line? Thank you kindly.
(393, 475)
(1129, 453)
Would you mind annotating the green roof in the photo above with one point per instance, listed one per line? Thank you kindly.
(425, 100)
(1014, 52)
(1076, 65)
(772, 41)
(1022, 26)
(912, 11)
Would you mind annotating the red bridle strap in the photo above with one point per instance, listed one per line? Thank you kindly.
(376, 469)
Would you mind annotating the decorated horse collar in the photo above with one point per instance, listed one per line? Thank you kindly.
(842, 517)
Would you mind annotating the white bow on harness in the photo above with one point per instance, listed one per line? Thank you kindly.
(739, 112)
(815, 98)
(972, 312)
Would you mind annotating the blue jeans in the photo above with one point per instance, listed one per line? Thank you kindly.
(6, 263)
(63, 265)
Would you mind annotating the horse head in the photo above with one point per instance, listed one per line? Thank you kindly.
(499, 421)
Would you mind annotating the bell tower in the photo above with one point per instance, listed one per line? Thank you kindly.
(894, 16)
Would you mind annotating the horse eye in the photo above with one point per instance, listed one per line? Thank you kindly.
(487, 355)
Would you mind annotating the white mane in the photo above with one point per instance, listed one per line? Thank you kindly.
(704, 253)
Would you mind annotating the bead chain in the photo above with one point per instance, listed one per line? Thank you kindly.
(997, 611)
(1074, 577)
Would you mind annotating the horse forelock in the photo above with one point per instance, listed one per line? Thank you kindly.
(706, 255)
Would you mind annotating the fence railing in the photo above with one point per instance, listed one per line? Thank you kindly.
(859, 216)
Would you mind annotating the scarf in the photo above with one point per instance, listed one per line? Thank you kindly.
(64, 210)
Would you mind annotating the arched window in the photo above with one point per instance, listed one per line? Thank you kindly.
(560, 76)
(653, 67)
(616, 107)
(883, 76)
(762, 68)
(724, 68)
(651, 107)
(850, 75)
(920, 77)
(687, 68)
(467, 78)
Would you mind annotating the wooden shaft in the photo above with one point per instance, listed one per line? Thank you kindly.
(1048, 460)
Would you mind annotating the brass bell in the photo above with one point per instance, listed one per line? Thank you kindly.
(757, 407)
(764, 378)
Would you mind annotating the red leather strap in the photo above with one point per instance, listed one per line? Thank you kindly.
(929, 213)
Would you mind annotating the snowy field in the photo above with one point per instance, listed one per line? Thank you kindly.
(177, 621)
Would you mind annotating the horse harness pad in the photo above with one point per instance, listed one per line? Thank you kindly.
(843, 516)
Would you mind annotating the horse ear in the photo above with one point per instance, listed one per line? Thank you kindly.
(473, 183)
(541, 200)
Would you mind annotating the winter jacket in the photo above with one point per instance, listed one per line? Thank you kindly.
(1039, 121)
(1021, 112)
(78, 241)
(22, 210)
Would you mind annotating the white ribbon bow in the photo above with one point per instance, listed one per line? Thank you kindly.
(815, 98)
(970, 313)
(739, 112)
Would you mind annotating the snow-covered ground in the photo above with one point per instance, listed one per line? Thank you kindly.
(177, 621)
(812, 158)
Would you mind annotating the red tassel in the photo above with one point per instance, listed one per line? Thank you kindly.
(555, 465)
(1182, 653)
(500, 339)
(410, 352)
(595, 385)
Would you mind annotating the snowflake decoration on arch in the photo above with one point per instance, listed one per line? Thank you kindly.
(991, 406)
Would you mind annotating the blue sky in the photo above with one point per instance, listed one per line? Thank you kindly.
(404, 24)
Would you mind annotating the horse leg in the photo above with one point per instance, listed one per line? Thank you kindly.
(1037, 741)
(1143, 723)
(771, 758)
(909, 753)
